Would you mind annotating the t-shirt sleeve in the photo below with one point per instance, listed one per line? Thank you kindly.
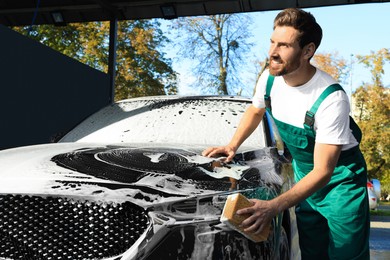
(332, 120)
(258, 97)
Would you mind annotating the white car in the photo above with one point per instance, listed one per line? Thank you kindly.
(374, 193)
(130, 183)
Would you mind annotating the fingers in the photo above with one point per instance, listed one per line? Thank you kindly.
(254, 225)
(257, 227)
(218, 151)
(251, 224)
(259, 217)
(230, 157)
(208, 151)
(248, 210)
(213, 151)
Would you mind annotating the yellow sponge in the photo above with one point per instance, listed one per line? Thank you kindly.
(229, 217)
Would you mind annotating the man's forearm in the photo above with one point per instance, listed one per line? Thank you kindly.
(325, 160)
(300, 191)
(249, 122)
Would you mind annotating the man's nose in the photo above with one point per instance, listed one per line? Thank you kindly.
(272, 50)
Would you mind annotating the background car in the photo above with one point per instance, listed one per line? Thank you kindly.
(374, 193)
(130, 183)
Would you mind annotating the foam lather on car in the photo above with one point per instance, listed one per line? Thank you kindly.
(229, 217)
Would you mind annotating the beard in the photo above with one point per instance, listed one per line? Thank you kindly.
(284, 67)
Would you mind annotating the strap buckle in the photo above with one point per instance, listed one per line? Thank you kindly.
(267, 101)
(309, 119)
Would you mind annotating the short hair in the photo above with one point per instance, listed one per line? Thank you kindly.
(304, 22)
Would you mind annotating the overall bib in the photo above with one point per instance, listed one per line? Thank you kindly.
(333, 223)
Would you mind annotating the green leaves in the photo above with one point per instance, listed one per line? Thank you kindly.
(371, 104)
(141, 70)
(375, 62)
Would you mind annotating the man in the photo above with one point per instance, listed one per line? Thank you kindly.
(330, 193)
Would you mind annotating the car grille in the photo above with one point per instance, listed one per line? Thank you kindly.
(33, 227)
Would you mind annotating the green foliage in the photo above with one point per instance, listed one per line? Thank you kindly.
(385, 189)
(371, 104)
(58, 38)
(142, 70)
(375, 62)
(373, 116)
(379, 212)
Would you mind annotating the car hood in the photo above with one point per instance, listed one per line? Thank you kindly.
(140, 173)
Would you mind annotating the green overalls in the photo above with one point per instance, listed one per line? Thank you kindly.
(333, 223)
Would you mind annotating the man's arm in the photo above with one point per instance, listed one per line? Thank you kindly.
(250, 120)
(262, 212)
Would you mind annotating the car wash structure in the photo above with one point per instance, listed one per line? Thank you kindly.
(46, 93)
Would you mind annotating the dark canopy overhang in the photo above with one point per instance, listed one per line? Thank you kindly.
(27, 12)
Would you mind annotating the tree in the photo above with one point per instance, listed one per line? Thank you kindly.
(372, 113)
(219, 45)
(333, 64)
(373, 116)
(375, 62)
(142, 68)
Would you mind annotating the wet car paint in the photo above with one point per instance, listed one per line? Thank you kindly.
(182, 192)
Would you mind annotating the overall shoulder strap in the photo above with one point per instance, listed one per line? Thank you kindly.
(267, 97)
(309, 117)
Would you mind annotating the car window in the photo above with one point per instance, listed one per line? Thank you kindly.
(162, 120)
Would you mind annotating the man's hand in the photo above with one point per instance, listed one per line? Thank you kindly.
(227, 151)
(261, 215)
(250, 120)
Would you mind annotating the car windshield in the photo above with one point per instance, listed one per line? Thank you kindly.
(200, 121)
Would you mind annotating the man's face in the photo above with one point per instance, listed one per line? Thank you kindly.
(285, 53)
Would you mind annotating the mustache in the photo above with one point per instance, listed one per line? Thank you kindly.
(276, 58)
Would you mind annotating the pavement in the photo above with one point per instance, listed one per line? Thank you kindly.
(380, 222)
(380, 237)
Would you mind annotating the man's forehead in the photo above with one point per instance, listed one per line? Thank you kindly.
(285, 34)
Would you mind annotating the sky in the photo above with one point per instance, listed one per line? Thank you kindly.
(349, 30)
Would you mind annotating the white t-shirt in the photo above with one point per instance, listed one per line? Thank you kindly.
(289, 105)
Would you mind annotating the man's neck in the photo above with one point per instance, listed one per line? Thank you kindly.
(300, 76)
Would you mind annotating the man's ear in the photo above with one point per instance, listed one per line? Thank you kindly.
(309, 50)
